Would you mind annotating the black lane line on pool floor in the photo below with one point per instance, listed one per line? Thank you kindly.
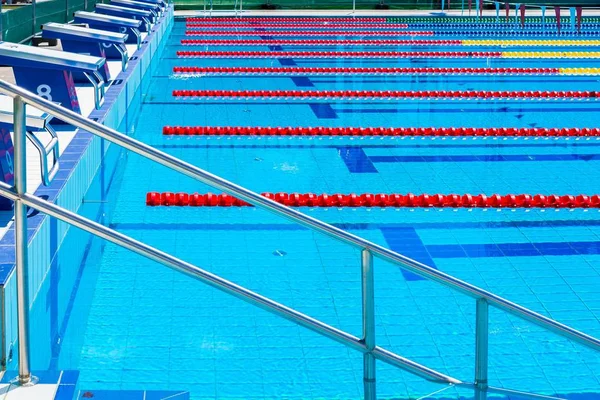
(320, 111)
(357, 161)
(404, 238)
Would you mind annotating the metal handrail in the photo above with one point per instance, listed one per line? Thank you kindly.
(44, 150)
(211, 8)
(235, 10)
(366, 344)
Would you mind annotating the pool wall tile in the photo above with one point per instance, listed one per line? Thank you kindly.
(80, 162)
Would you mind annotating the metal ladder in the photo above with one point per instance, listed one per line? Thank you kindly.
(366, 344)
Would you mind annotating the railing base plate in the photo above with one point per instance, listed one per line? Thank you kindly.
(33, 380)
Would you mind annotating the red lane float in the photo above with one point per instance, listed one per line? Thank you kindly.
(316, 25)
(339, 54)
(380, 200)
(322, 42)
(362, 70)
(377, 131)
(396, 94)
(309, 33)
(285, 19)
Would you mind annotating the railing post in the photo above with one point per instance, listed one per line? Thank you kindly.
(33, 18)
(20, 172)
(368, 315)
(481, 348)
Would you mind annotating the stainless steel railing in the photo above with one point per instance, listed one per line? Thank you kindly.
(211, 8)
(235, 8)
(45, 150)
(366, 344)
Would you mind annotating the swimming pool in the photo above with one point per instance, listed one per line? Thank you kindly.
(135, 325)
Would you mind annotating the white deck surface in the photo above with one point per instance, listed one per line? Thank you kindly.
(37, 392)
(86, 102)
(114, 68)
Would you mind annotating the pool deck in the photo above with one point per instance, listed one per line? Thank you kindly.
(37, 392)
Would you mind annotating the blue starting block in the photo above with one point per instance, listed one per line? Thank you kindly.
(124, 12)
(94, 42)
(161, 3)
(36, 122)
(129, 26)
(140, 5)
(49, 73)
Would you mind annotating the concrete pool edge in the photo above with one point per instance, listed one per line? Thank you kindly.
(84, 157)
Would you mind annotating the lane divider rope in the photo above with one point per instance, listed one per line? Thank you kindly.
(551, 54)
(308, 33)
(297, 25)
(388, 54)
(312, 42)
(437, 23)
(441, 28)
(287, 19)
(484, 20)
(487, 19)
(339, 54)
(383, 71)
(377, 131)
(579, 71)
(511, 33)
(370, 94)
(530, 42)
(487, 27)
(465, 27)
(380, 200)
(385, 42)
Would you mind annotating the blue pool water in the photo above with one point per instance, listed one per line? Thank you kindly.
(136, 325)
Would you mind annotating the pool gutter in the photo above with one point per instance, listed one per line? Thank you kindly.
(79, 163)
